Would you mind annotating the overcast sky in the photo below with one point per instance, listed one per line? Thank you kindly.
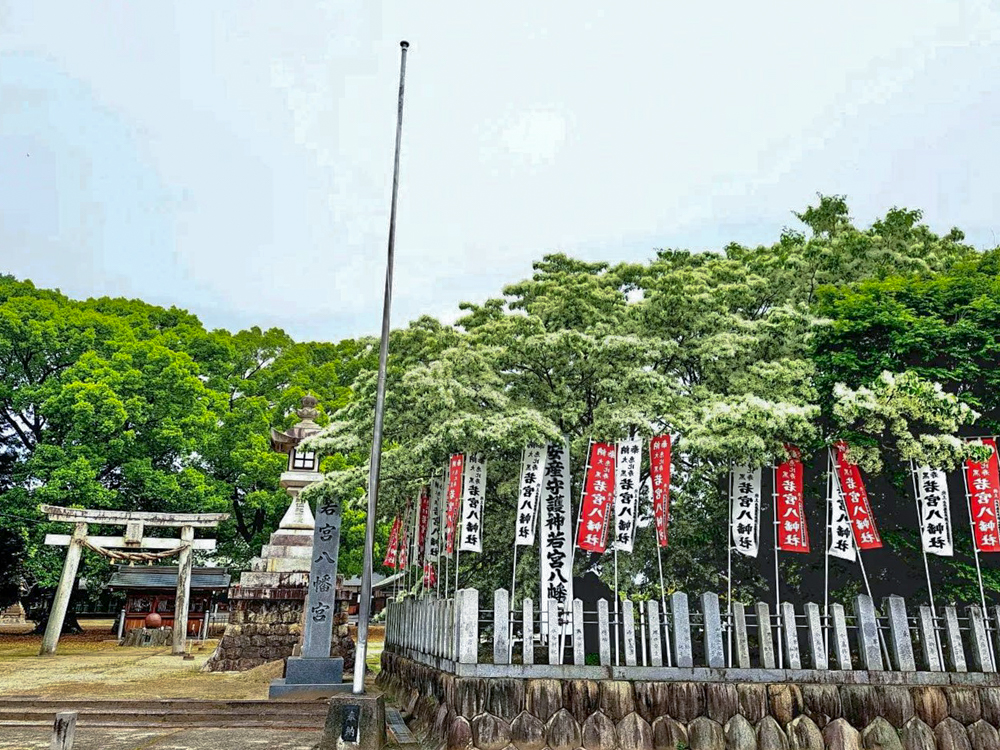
(234, 158)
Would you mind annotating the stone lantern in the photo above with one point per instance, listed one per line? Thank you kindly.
(303, 465)
(267, 605)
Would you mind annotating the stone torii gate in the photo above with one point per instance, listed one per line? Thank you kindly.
(133, 541)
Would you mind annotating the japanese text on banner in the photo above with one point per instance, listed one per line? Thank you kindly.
(453, 504)
(856, 499)
(841, 536)
(423, 518)
(532, 471)
(556, 533)
(598, 491)
(745, 510)
(983, 480)
(659, 478)
(404, 539)
(793, 534)
(473, 505)
(935, 512)
(627, 493)
(432, 546)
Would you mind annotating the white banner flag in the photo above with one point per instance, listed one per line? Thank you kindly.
(532, 474)
(627, 492)
(841, 534)
(432, 544)
(556, 533)
(744, 517)
(471, 530)
(935, 513)
(415, 539)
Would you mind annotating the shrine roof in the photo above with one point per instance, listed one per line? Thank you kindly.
(165, 577)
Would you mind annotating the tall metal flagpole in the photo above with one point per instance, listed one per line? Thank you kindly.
(364, 606)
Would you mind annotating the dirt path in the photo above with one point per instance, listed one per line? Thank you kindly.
(93, 665)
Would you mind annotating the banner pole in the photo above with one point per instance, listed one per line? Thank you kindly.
(440, 534)
(583, 490)
(777, 576)
(927, 569)
(826, 551)
(618, 453)
(729, 574)
(972, 530)
(447, 568)
(513, 567)
(868, 588)
(663, 600)
(864, 575)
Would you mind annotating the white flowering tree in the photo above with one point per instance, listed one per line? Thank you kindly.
(716, 348)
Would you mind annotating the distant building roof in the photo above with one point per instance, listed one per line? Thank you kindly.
(377, 580)
(165, 577)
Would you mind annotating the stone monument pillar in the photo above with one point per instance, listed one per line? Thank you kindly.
(314, 672)
(267, 605)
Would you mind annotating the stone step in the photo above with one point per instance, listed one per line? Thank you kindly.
(203, 724)
(30, 711)
(398, 731)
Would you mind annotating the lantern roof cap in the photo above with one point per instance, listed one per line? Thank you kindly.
(286, 441)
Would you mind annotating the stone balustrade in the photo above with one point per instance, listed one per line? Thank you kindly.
(639, 641)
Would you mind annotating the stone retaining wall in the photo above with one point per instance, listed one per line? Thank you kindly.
(562, 714)
(259, 631)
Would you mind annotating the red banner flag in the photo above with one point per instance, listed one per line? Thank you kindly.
(856, 499)
(392, 549)
(983, 486)
(404, 548)
(404, 539)
(659, 476)
(793, 535)
(430, 575)
(425, 515)
(598, 499)
(454, 500)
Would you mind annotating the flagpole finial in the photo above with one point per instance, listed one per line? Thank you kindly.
(404, 44)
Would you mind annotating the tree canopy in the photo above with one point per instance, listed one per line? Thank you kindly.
(885, 336)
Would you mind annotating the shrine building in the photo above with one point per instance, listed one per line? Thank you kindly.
(153, 589)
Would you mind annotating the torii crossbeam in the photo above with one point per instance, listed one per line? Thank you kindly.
(133, 540)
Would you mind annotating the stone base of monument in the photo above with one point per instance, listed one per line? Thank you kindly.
(309, 678)
(354, 722)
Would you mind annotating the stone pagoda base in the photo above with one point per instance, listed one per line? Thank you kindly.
(266, 608)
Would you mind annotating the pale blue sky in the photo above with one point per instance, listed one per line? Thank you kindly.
(234, 158)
